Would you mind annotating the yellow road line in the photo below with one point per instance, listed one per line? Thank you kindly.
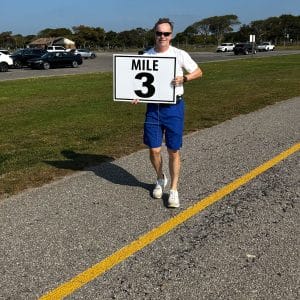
(90, 274)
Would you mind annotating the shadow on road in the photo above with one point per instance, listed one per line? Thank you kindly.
(101, 165)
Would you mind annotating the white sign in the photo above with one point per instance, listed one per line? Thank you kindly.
(147, 78)
(252, 38)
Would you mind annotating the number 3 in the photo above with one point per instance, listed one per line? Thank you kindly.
(150, 88)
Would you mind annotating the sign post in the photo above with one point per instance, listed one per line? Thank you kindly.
(252, 41)
(147, 78)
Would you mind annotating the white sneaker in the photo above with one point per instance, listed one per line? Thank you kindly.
(173, 200)
(159, 187)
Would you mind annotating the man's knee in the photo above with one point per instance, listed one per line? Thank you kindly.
(173, 153)
(155, 151)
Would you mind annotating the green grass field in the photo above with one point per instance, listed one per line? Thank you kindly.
(53, 126)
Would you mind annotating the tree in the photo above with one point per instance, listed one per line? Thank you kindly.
(55, 32)
(217, 26)
(290, 27)
(111, 39)
(138, 37)
(86, 36)
(20, 41)
(187, 36)
(6, 39)
(285, 28)
(258, 28)
(277, 29)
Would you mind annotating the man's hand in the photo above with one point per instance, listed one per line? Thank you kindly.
(135, 101)
(178, 80)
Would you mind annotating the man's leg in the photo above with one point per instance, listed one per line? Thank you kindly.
(161, 182)
(156, 160)
(174, 167)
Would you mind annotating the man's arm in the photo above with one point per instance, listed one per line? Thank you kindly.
(188, 77)
(194, 75)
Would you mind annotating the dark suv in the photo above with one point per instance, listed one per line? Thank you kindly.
(21, 56)
(244, 48)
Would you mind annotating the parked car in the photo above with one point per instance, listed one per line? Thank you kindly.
(224, 47)
(4, 51)
(85, 53)
(56, 60)
(5, 62)
(244, 48)
(56, 49)
(266, 46)
(20, 57)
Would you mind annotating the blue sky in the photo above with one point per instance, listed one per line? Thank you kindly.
(31, 16)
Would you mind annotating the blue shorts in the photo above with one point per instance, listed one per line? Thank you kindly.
(164, 119)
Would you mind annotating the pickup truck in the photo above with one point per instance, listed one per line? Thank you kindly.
(266, 46)
(56, 49)
(5, 62)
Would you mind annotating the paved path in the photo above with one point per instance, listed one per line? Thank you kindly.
(245, 246)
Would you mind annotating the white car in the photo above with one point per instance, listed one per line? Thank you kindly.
(4, 51)
(266, 46)
(225, 47)
(5, 62)
(85, 53)
(56, 49)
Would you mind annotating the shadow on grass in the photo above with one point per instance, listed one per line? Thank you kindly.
(101, 165)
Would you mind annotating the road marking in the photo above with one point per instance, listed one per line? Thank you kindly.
(98, 269)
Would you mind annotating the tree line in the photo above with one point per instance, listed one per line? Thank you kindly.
(208, 31)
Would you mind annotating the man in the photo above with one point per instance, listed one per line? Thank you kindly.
(168, 119)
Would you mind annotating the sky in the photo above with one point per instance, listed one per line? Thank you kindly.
(31, 16)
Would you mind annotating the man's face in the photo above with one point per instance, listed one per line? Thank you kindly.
(163, 35)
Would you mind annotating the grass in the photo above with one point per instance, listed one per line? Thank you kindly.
(54, 126)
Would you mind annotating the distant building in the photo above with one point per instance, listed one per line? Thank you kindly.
(57, 41)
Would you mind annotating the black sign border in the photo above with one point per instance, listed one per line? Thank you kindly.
(143, 100)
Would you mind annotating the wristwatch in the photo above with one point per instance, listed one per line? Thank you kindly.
(185, 79)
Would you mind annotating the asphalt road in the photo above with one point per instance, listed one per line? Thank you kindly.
(104, 63)
(245, 246)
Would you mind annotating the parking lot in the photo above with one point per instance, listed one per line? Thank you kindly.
(104, 63)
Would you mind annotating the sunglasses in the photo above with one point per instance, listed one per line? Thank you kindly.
(159, 33)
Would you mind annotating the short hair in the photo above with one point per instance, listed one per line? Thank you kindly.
(162, 21)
